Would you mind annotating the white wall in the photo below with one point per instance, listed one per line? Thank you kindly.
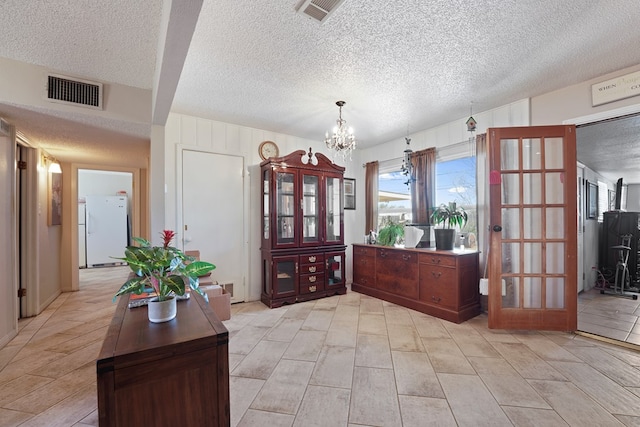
(8, 288)
(633, 198)
(104, 183)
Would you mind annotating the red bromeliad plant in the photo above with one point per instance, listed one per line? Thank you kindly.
(164, 269)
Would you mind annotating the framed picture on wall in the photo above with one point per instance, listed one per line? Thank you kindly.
(592, 200)
(55, 199)
(349, 193)
(612, 200)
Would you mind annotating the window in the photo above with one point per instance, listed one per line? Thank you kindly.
(603, 200)
(394, 198)
(456, 182)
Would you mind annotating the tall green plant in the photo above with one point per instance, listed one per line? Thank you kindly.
(165, 269)
(390, 233)
(449, 215)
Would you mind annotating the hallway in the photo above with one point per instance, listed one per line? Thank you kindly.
(347, 360)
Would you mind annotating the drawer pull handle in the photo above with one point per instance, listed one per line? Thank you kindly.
(312, 259)
(436, 274)
(435, 260)
(383, 254)
(406, 257)
(436, 299)
(312, 288)
(312, 269)
(312, 279)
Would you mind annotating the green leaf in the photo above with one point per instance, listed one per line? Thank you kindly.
(135, 285)
(198, 268)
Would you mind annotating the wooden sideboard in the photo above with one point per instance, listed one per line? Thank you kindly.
(443, 284)
(164, 374)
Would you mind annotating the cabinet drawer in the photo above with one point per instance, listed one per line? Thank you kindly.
(312, 259)
(364, 251)
(310, 283)
(436, 259)
(439, 286)
(312, 268)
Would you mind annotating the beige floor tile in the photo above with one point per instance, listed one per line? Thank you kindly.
(23, 365)
(603, 331)
(609, 394)
(350, 298)
(323, 406)
(429, 327)
(285, 329)
(50, 394)
(425, 412)
(268, 319)
(306, 345)
(404, 338)
(546, 348)
(628, 420)
(327, 303)
(21, 386)
(573, 405)
(373, 351)
(396, 315)
(285, 388)
(334, 367)
(374, 398)
(372, 324)
(318, 320)
(9, 418)
(612, 367)
(471, 403)
(246, 339)
(370, 305)
(474, 345)
(68, 411)
(90, 420)
(445, 356)
(261, 362)
(505, 384)
(242, 391)
(526, 362)
(299, 311)
(342, 333)
(234, 360)
(70, 362)
(415, 376)
(253, 418)
(533, 417)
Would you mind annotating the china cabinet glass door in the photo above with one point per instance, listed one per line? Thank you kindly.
(265, 205)
(310, 209)
(286, 208)
(333, 213)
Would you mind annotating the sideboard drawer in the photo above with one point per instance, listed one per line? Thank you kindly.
(437, 259)
(364, 251)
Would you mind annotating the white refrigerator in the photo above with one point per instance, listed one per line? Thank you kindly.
(107, 229)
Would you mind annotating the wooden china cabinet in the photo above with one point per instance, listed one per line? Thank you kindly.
(303, 251)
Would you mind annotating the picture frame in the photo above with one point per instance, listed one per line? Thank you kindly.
(592, 200)
(612, 200)
(54, 216)
(349, 193)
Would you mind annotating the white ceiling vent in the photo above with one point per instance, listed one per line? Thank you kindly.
(318, 10)
(5, 128)
(69, 90)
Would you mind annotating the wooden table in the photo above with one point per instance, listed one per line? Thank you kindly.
(164, 374)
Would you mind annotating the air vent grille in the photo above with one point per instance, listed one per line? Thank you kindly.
(318, 10)
(5, 128)
(76, 92)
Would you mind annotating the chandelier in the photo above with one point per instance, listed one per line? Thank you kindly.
(407, 166)
(343, 141)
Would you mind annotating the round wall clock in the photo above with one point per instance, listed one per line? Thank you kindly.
(268, 149)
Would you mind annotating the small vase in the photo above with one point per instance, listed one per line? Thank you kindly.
(162, 311)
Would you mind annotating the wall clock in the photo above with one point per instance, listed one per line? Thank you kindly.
(268, 149)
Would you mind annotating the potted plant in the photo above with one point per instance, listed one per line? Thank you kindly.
(390, 234)
(450, 216)
(163, 271)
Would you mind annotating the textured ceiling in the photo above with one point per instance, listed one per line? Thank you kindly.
(402, 64)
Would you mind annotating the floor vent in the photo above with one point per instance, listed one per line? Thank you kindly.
(318, 10)
(73, 91)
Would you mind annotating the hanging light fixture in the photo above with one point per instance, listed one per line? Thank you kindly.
(343, 141)
(471, 128)
(407, 166)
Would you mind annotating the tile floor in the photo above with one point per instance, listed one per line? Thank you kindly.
(350, 360)
(610, 316)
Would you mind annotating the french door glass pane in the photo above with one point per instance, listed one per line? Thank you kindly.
(510, 189)
(533, 223)
(511, 258)
(555, 292)
(554, 188)
(511, 299)
(533, 258)
(509, 154)
(531, 186)
(553, 157)
(555, 223)
(510, 223)
(532, 292)
(555, 258)
(531, 154)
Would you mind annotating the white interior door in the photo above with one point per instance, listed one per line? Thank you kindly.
(582, 275)
(213, 215)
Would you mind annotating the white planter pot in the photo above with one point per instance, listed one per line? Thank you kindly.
(162, 311)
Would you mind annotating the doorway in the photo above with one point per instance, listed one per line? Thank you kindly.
(607, 147)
